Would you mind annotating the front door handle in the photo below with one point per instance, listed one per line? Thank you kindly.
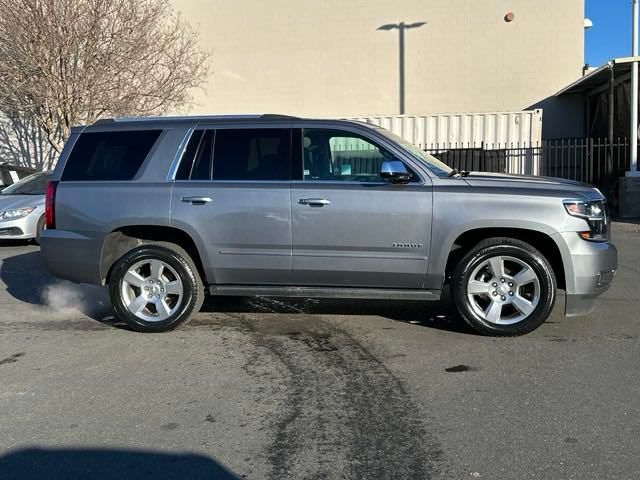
(314, 202)
(196, 200)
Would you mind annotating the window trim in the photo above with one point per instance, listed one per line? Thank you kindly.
(179, 156)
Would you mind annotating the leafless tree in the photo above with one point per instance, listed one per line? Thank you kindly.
(22, 143)
(67, 62)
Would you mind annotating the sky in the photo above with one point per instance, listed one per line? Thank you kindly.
(611, 33)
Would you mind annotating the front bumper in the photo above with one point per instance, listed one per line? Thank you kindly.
(589, 271)
(22, 228)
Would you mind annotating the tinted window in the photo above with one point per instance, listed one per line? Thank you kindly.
(334, 155)
(109, 155)
(196, 161)
(252, 154)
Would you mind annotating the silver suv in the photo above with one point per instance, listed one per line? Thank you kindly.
(164, 210)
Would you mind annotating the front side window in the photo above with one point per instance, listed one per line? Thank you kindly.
(115, 155)
(334, 155)
(252, 154)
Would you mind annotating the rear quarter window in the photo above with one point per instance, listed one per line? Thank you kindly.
(109, 155)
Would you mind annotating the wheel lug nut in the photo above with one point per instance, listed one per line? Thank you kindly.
(503, 297)
(511, 294)
(495, 284)
(495, 293)
(502, 280)
(146, 288)
(150, 296)
(158, 296)
(511, 284)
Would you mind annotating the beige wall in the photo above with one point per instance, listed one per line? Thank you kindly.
(325, 57)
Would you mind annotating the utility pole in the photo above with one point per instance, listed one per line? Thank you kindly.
(401, 27)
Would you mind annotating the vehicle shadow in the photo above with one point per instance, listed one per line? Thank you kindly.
(27, 280)
(439, 315)
(107, 464)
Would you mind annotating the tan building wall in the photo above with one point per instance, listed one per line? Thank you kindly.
(326, 57)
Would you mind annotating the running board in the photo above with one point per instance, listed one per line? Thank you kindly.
(323, 292)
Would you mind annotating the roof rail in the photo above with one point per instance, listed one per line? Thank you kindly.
(267, 116)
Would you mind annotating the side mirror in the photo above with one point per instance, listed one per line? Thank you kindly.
(394, 171)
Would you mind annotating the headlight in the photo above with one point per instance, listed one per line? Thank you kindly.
(595, 214)
(15, 213)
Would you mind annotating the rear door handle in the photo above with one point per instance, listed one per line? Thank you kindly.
(196, 200)
(314, 202)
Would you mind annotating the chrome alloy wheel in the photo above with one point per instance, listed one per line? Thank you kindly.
(503, 290)
(152, 290)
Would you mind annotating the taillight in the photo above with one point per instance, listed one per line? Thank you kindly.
(50, 205)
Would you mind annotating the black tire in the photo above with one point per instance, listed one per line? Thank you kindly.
(519, 250)
(181, 263)
(39, 229)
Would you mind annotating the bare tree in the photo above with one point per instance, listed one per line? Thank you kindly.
(67, 62)
(23, 144)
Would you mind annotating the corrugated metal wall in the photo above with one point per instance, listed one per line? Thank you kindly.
(464, 130)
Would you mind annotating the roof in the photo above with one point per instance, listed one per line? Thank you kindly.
(600, 76)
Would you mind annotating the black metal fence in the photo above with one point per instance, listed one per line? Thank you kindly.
(595, 161)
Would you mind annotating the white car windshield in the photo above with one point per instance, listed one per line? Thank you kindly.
(35, 184)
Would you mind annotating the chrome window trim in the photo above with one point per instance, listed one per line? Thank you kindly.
(177, 159)
(351, 182)
(231, 181)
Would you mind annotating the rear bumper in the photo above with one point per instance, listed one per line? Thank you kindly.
(590, 272)
(71, 256)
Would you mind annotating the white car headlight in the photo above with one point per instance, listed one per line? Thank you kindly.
(15, 213)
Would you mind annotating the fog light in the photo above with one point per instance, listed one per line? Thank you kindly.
(605, 278)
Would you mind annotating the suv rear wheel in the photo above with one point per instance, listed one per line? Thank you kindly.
(504, 286)
(155, 287)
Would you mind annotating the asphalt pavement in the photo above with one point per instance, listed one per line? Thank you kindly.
(313, 389)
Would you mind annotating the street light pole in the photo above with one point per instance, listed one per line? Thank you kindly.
(401, 27)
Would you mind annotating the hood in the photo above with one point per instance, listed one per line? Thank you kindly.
(9, 202)
(550, 185)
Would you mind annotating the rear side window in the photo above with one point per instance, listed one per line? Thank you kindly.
(109, 155)
(252, 154)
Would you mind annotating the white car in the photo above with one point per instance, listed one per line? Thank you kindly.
(22, 208)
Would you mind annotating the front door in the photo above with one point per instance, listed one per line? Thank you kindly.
(350, 228)
(232, 194)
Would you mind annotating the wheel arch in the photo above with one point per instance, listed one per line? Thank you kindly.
(125, 238)
(541, 241)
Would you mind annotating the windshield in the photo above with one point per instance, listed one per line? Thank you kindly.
(35, 184)
(432, 163)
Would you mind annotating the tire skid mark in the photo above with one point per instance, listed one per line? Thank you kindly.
(344, 413)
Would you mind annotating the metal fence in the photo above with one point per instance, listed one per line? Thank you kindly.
(595, 161)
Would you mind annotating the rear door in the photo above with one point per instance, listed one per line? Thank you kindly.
(350, 228)
(232, 192)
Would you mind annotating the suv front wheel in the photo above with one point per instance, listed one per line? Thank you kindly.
(504, 286)
(155, 287)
